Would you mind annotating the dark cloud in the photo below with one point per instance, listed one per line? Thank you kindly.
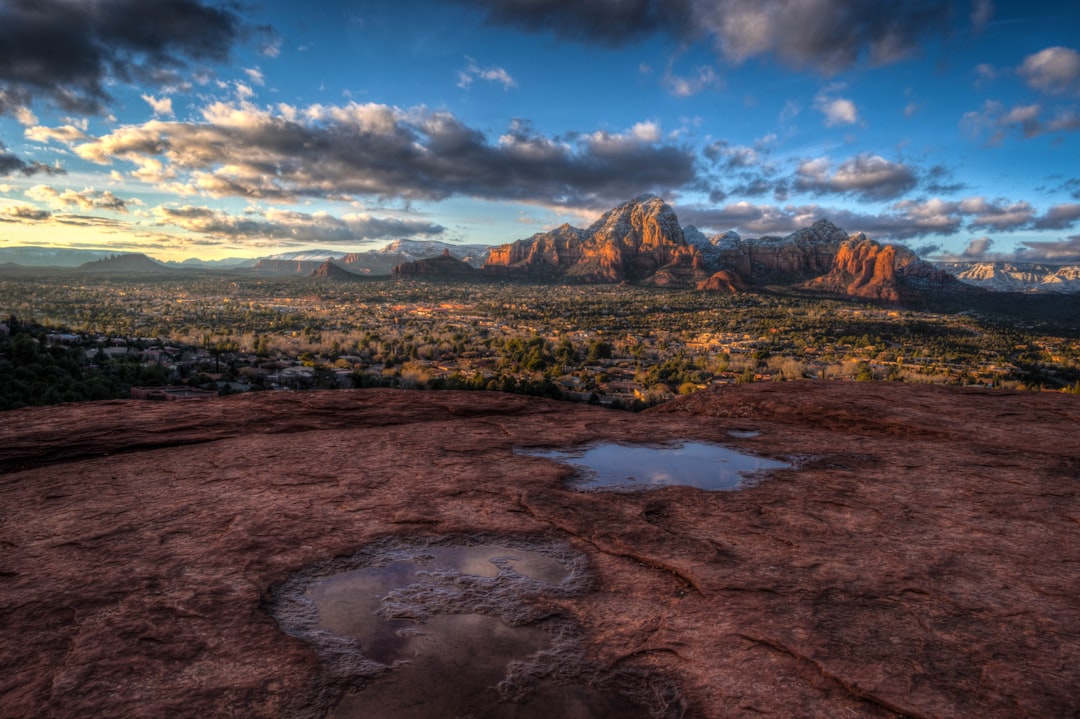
(11, 164)
(995, 121)
(23, 214)
(904, 220)
(612, 23)
(827, 35)
(1072, 186)
(977, 248)
(68, 52)
(938, 180)
(1065, 251)
(869, 177)
(376, 150)
(289, 225)
(1058, 217)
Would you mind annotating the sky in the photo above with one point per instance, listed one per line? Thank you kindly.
(199, 128)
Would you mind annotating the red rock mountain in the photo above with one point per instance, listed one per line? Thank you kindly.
(864, 268)
(638, 241)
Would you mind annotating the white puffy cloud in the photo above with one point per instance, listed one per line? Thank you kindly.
(1055, 70)
(377, 150)
(871, 177)
(86, 200)
(162, 107)
(837, 110)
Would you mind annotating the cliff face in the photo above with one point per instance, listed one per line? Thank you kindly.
(864, 268)
(925, 534)
(800, 256)
(638, 241)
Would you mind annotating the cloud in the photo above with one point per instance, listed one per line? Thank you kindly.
(1055, 70)
(837, 110)
(23, 214)
(999, 215)
(1058, 217)
(86, 200)
(377, 150)
(703, 78)
(903, 220)
(65, 134)
(1065, 251)
(491, 74)
(161, 107)
(995, 120)
(290, 225)
(870, 177)
(981, 12)
(68, 53)
(11, 164)
(826, 35)
(977, 248)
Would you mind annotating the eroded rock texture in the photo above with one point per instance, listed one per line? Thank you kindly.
(920, 561)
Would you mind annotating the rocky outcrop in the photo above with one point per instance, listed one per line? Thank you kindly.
(723, 281)
(863, 268)
(445, 266)
(919, 561)
(638, 241)
(133, 262)
(798, 257)
(331, 270)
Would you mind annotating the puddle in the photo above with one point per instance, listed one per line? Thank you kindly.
(743, 433)
(419, 629)
(631, 468)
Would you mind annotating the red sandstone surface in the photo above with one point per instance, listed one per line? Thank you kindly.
(920, 561)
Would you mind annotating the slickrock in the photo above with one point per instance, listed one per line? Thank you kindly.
(919, 560)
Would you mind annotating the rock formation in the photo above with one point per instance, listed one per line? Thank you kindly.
(638, 241)
(331, 270)
(445, 266)
(919, 561)
(723, 281)
(798, 257)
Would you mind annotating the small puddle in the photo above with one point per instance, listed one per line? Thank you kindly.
(418, 629)
(631, 468)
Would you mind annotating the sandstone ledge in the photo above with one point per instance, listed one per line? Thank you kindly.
(921, 561)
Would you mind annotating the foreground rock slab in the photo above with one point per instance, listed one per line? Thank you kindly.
(919, 560)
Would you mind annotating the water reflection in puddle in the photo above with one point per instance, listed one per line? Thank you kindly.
(453, 630)
(631, 468)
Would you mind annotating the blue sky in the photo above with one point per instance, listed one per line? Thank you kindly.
(195, 128)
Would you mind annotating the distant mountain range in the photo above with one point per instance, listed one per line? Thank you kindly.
(640, 241)
(1017, 277)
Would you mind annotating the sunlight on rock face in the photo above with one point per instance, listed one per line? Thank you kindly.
(630, 468)
(419, 629)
